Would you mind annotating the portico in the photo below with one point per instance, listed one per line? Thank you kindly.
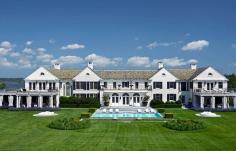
(29, 99)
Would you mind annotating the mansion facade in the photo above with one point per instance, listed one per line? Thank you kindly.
(204, 87)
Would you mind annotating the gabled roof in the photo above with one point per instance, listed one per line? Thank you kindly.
(186, 74)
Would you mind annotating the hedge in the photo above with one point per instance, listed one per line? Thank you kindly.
(78, 102)
(161, 104)
(85, 115)
(169, 115)
(69, 124)
(91, 110)
(161, 110)
(184, 125)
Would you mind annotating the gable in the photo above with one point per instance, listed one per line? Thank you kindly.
(41, 74)
(210, 74)
(163, 75)
(87, 75)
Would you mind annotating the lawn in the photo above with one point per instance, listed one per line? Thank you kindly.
(22, 131)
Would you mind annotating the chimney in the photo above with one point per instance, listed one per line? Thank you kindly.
(57, 66)
(160, 65)
(90, 65)
(193, 66)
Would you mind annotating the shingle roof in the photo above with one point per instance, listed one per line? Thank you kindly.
(186, 74)
(181, 74)
(125, 74)
(64, 74)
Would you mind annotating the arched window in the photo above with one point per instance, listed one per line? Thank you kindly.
(115, 98)
(125, 99)
(136, 98)
(42, 73)
(210, 74)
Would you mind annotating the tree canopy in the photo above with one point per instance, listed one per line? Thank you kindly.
(2, 85)
(232, 80)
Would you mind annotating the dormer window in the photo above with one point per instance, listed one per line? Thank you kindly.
(210, 74)
(42, 73)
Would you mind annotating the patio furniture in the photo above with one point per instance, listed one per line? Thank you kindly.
(104, 110)
(139, 111)
(110, 110)
(117, 110)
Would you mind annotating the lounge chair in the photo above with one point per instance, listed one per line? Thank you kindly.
(139, 111)
(147, 110)
(110, 110)
(104, 110)
(117, 110)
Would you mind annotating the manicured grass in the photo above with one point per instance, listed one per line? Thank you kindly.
(22, 131)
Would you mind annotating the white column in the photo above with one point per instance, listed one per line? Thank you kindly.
(202, 102)
(17, 101)
(235, 102)
(224, 102)
(29, 101)
(10, 101)
(212, 102)
(51, 101)
(57, 101)
(1, 100)
(40, 101)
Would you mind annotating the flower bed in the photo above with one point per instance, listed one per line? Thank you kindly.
(69, 124)
(184, 125)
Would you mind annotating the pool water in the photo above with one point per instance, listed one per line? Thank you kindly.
(124, 115)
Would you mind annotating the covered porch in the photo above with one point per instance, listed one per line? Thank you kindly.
(214, 101)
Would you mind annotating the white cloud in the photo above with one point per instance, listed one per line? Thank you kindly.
(7, 45)
(173, 62)
(6, 63)
(5, 48)
(103, 61)
(28, 51)
(72, 46)
(195, 45)
(15, 54)
(68, 60)
(24, 63)
(233, 45)
(140, 47)
(4, 51)
(28, 43)
(156, 44)
(41, 50)
(52, 41)
(139, 61)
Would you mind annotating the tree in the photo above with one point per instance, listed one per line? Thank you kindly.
(2, 85)
(232, 80)
(106, 100)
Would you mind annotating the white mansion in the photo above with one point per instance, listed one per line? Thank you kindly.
(204, 87)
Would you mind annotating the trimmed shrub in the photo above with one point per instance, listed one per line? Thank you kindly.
(85, 115)
(184, 125)
(169, 115)
(91, 110)
(78, 102)
(161, 110)
(69, 124)
(168, 104)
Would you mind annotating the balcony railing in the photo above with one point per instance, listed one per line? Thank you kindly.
(126, 88)
(212, 91)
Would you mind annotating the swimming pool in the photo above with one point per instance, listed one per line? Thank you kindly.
(125, 115)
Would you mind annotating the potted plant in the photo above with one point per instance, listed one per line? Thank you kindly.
(145, 100)
(106, 100)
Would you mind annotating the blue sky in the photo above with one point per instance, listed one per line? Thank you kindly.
(128, 34)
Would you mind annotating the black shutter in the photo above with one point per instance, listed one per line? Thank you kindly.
(168, 97)
(174, 85)
(175, 97)
(168, 85)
